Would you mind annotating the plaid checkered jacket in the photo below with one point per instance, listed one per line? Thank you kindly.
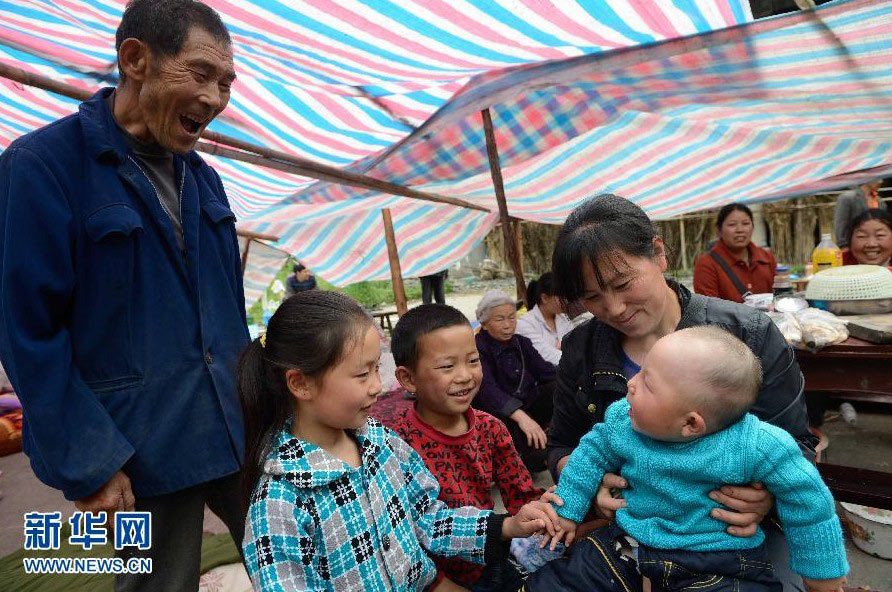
(315, 523)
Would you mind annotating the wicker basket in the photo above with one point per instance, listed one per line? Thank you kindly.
(851, 282)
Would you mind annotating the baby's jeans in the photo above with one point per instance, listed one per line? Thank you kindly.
(747, 570)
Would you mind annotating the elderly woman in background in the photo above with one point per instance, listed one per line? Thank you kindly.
(518, 383)
(735, 266)
(545, 324)
(870, 239)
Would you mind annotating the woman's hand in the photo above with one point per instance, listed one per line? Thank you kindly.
(606, 504)
(533, 431)
(749, 504)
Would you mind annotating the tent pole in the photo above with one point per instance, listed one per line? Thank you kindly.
(245, 255)
(684, 244)
(256, 235)
(518, 242)
(508, 234)
(252, 153)
(396, 275)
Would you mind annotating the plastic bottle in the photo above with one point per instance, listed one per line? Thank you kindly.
(826, 254)
(848, 413)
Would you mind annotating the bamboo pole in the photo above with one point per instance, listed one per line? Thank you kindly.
(396, 275)
(252, 153)
(684, 245)
(507, 230)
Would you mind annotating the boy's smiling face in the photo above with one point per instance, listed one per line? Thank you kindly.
(447, 372)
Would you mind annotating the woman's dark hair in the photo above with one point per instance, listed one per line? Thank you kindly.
(163, 25)
(728, 208)
(601, 229)
(872, 214)
(310, 332)
(535, 289)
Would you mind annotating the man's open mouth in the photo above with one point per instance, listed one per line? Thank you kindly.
(191, 124)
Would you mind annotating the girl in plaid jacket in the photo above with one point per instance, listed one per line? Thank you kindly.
(334, 500)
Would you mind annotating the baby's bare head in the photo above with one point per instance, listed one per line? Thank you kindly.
(722, 376)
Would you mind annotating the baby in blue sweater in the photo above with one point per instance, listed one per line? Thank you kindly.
(682, 431)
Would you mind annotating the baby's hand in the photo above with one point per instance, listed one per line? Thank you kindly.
(532, 518)
(566, 531)
(834, 585)
(549, 496)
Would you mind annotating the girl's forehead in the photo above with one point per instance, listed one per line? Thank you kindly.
(363, 346)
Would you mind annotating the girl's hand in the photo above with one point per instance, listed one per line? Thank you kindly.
(532, 518)
(606, 504)
(834, 585)
(447, 585)
(533, 431)
(749, 504)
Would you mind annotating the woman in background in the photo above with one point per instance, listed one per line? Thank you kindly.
(735, 266)
(545, 324)
(870, 240)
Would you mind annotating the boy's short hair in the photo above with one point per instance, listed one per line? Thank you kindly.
(732, 375)
(417, 323)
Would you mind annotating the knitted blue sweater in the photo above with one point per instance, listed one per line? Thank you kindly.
(667, 501)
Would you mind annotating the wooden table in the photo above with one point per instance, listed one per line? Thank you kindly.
(854, 370)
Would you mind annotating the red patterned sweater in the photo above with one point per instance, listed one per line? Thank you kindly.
(467, 467)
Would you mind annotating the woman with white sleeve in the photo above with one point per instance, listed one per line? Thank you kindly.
(545, 324)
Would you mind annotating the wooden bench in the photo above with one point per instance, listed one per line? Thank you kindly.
(385, 319)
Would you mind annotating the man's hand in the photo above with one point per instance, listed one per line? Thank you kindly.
(749, 504)
(606, 504)
(114, 496)
(834, 585)
(532, 518)
(533, 431)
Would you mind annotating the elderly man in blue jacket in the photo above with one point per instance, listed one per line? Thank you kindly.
(121, 294)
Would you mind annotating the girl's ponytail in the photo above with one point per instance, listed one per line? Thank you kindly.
(309, 332)
(264, 415)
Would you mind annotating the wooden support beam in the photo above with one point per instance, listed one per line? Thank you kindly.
(518, 241)
(245, 256)
(396, 274)
(252, 153)
(256, 235)
(684, 244)
(495, 169)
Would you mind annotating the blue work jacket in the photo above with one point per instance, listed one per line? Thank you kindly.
(121, 346)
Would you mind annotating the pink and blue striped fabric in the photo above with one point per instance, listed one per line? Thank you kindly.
(342, 81)
(776, 108)
(346, 82)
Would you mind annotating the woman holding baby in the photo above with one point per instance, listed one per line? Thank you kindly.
(609, 257)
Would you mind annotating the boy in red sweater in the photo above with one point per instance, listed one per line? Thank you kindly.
(467, 450)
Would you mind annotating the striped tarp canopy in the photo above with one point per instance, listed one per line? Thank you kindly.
(780, 107)
(340, 82)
